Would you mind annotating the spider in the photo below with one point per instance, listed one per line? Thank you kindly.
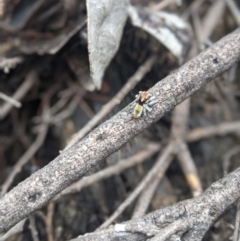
(144, 103)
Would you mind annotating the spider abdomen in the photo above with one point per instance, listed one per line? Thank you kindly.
(137, 112)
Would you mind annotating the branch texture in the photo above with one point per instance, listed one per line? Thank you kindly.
(189, 219)
(37, 190)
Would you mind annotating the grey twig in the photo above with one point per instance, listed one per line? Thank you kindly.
(161, 164)
(179, 129)
(19, 94)
(33, 228)
(190, 219)
(6, 64)
(146, 196)
(189, 168)
(165, 3)
(234, 10)
(211, 19)
(49, 221)
(139, 157)
(236, 234)
(18, 228)
(42, 132)
(10, 100)
(68, 111)
(37, 190)
(25, 157)
(216, 130)
(227, 158)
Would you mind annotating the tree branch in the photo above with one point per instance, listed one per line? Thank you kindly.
(220, 130)
(189, 219)
(37, 190)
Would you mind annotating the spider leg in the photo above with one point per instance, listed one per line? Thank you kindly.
(146, 107)
(151, 101)
(144, 111)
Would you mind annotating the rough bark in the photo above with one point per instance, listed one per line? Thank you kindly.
(187, 220)
(37, 190)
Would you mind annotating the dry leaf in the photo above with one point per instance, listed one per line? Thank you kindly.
(106, 20)
(174, 33)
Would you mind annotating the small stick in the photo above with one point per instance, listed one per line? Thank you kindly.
(86, 108)
(19, 94)
(18, 228)
(191, 10)
(236, 234)
(211, 19)
(234, 10)
(146, 197)
(59, 105)
(161, 165)
(33, 228)
(131, 83)
(25, 157)
(179, 128)
(139, 157)
(189, 168)
(49, 219)
(9, 63)
(10, 100)
(2, 8)
(217, 130)
(165, 3)
(68, 111)
(227, 157)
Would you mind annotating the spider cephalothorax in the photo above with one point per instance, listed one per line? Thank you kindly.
(144, 103)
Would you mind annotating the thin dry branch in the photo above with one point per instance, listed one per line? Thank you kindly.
(146, 196)
(189, 168)
(227, 158)
(131, 83)
(10, 100)
(189, 219)
(75, 162)
(211, 19)
(161, 166)
(18, 228)
(236, 234)
(179, 129)
(217, 130)
(68, 111)
(234, 10)
(19, 94)
(165, 3)
(49, 221)
(138, 158)
(26, 157)
(33, 228)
